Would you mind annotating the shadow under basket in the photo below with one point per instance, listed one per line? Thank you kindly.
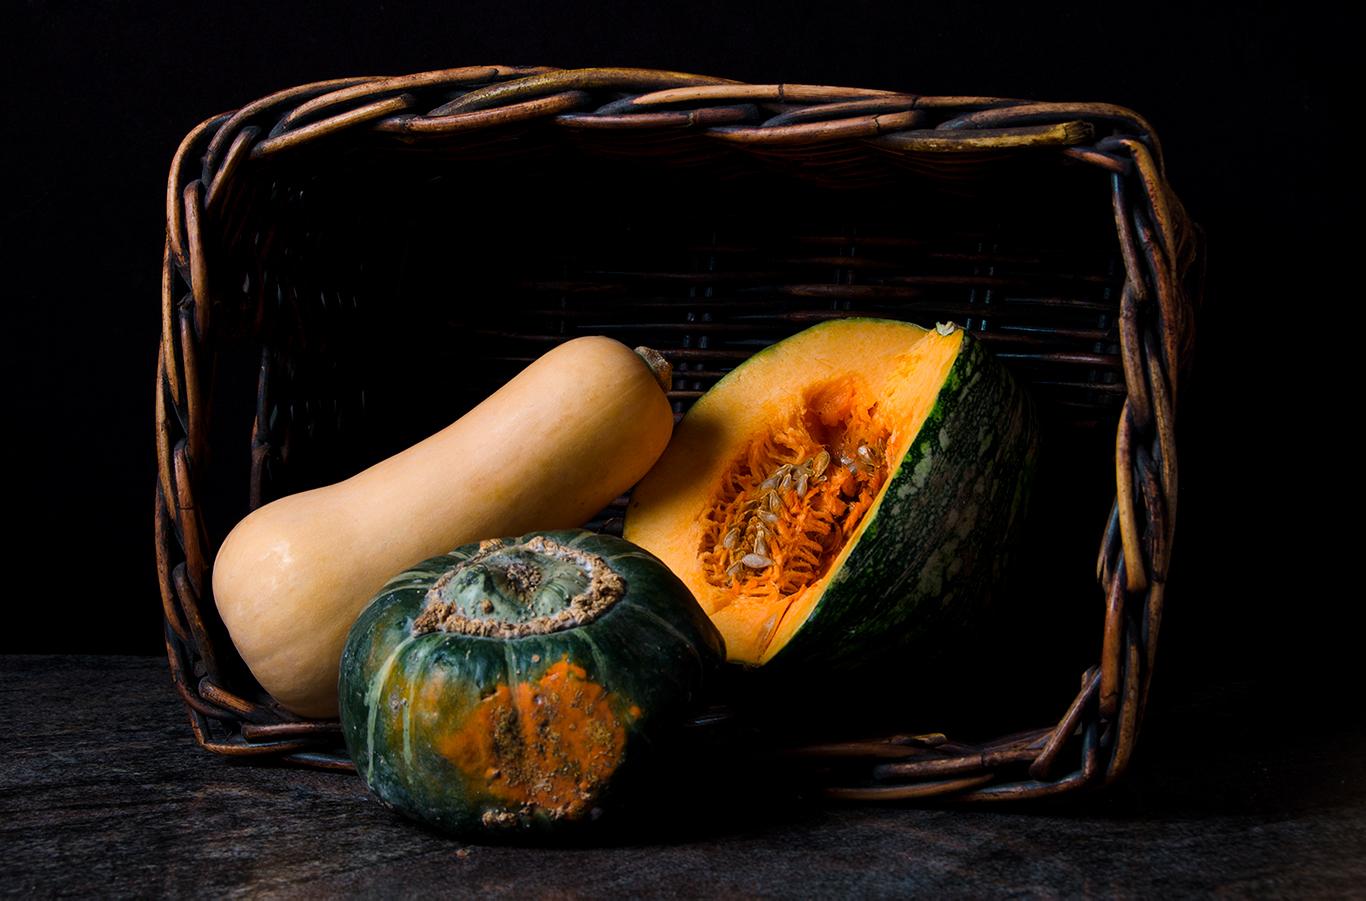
(351, 265)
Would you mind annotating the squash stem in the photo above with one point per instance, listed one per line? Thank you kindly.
(662, 369)
(514, 588)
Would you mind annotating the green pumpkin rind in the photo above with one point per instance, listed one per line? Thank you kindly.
(410, 703)
(935, 545)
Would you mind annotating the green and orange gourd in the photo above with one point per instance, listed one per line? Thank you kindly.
(512, 686)
(845, 494)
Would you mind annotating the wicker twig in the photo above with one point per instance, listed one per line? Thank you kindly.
(1097, 341)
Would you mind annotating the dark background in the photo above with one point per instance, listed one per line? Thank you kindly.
(99, 93)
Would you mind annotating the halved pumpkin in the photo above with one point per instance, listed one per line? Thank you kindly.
(843, 491)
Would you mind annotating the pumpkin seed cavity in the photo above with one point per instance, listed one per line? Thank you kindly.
(784, 509)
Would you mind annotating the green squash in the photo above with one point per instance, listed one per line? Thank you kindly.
(845, 495)
(512, 685)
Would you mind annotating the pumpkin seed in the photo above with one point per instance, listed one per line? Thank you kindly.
(768, 517)
(734, 570)
(775, 503)
(756, 561)
(801, 484)
(870, 455)
(786, 482)
(760, 545)
(732, 537)
(769, 483)
(820, 462)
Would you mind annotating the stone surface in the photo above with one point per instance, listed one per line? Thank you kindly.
(103, 792)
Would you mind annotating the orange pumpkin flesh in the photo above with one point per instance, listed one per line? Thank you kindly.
(769, 481)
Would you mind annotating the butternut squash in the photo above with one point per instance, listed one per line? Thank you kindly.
(575, 429)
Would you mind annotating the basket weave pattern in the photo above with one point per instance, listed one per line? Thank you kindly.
(829, 135)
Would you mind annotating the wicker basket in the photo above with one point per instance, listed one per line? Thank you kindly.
(350, 264)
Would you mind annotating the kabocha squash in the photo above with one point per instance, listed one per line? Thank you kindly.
(549, 449)
(509, 685)
(843, 491)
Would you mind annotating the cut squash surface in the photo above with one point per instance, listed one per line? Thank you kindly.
(817, 418)
(779, 472)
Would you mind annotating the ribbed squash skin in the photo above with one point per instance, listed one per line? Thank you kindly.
(490, 737)
(931, 548)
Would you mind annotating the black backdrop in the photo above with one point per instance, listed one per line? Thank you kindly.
(99, 93)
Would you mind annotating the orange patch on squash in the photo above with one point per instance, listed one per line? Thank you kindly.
(551, 745)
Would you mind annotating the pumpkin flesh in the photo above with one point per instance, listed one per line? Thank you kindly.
(821, 422)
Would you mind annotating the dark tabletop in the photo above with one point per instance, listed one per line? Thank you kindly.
(103, 792)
